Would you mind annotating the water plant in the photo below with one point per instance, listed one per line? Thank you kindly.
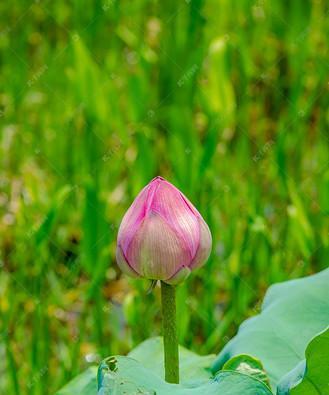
(163, 238)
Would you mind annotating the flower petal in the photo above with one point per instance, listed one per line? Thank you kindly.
(132, 219)
(124, 264)
(156, 252)
(204, 249)
(179, 277)
(178, 213)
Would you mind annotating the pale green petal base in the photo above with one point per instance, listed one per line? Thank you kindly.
(124, 265)
(179, 277)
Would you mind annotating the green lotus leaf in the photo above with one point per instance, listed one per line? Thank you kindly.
(84, 384)
(194, 368)
(311, 376)
(247, 364)
(124, 375)
(293, 312)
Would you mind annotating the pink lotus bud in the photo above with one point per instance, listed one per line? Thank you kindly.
(162, 235)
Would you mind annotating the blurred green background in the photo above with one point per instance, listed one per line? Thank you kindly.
(226, 99)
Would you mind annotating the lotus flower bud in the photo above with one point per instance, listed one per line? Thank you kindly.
(162, 235)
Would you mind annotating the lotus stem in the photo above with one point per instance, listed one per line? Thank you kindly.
(170, 340)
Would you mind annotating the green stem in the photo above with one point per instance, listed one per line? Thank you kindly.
(170, 340)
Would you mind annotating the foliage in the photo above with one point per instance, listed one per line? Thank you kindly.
(292, 314)
(83, 384)
(310, 376)
(142, 370)
(124, 375)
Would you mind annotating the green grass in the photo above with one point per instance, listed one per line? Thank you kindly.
(226, 99)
